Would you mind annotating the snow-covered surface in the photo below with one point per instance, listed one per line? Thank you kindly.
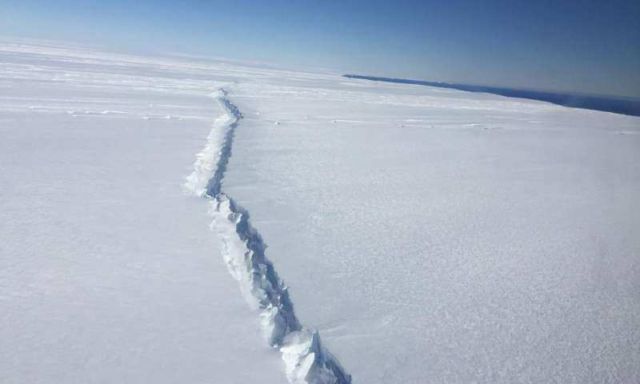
(108, 270)
(428, 235)
(439, 236)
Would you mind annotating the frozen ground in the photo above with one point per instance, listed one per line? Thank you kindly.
(439, 236)
(429, 235)
(108, 271)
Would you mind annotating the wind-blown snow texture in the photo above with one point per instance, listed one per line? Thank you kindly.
(429, 235)
(440, 236)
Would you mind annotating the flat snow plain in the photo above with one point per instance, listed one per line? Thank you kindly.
(430, 235)
(108, 270)
(438, 236)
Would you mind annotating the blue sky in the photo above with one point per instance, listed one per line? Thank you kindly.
(579, 46)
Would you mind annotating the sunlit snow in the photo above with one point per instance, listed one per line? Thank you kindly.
(424, 235)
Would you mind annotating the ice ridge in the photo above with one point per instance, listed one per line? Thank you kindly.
(243, 249)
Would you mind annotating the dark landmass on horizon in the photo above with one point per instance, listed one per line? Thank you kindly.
(625, 106)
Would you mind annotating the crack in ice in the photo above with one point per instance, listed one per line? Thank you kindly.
(306, 360)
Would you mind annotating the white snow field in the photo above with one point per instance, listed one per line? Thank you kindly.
(108, 270)
(424, 235)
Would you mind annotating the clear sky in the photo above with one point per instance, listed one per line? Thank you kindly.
(583, 46)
